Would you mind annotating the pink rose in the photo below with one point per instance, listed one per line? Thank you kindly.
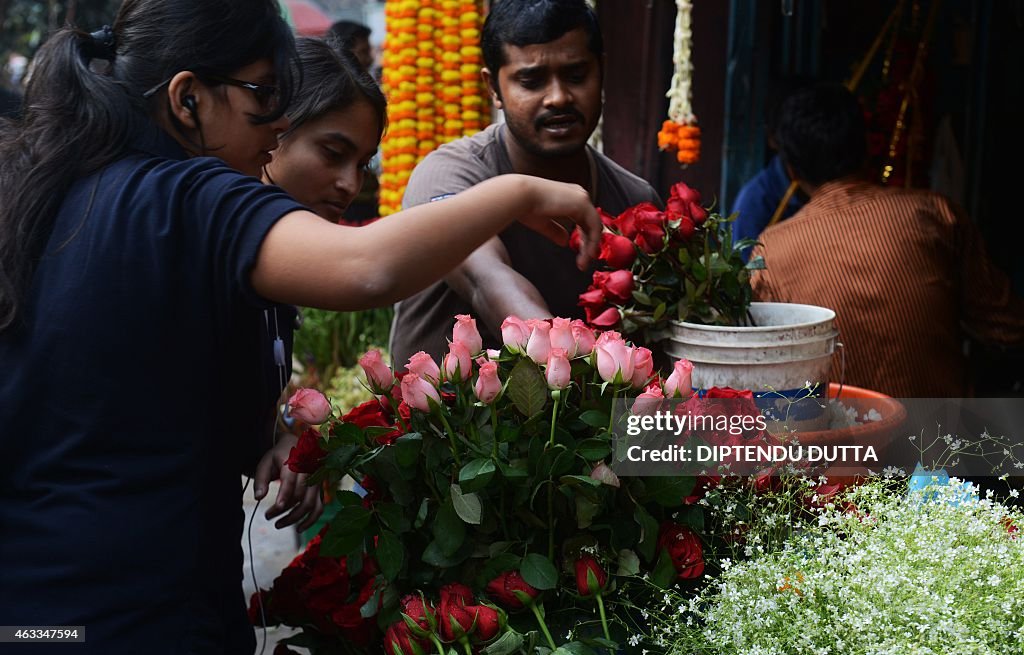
(679, 382)
(465, 332)
(458, 364)
(643, 367)
(584, 336)
(488, 385)
(614, 361)
(515, 333)
(421, 365)
(649, 402)
(561, 336)
(417, 393)
(558, 371)
(603, 474)
(617, 251)
(309, 406)
(539, 345)
(608, 335)
(378, 374)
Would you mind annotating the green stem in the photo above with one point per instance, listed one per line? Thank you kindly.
(611, 411)
(494, 429)
(604, 619)
(438, 644)
(556, 395)
(466, 646)
(551, 520)
(543, 626)
(451, 438)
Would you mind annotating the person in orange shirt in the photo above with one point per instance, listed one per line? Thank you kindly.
(905, 271)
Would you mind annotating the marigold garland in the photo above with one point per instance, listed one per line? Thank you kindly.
(431, 64)
(680, 132)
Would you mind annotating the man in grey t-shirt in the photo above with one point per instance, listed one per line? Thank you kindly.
(544, 66)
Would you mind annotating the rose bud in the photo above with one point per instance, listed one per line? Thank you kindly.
(684, 548)
(306, 454)
(561, 336)
(649, 402)
(515, 334)
(378, 374)
(539, 345)
(604, 474)
(399, 640)
(584, 336)
(617, 285)
(422, 618)
(614, 361)
(466, 333)
(617, 251)
(458, 364)
(422, 365)
(590, 577)
(607, 318)
(455, 619)
(488, 623)
(417, 393)
(309, 406)
(643, 367)
(488, 385)
(684, 193)
(558, 369)
(510, 590)
(679, 382)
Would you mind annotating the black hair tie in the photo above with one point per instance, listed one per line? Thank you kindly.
(101, 44)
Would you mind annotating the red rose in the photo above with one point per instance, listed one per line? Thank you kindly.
(282, 649)
(605, 319)
(306, 455)
(260, 599)
(399, 640)
(488, 623)
(629, 222)
(685, 231)
(590, 577)
(607, 219)
(420, 612)
(454, 618)
(728, 392)
(616, 285)
(680, 191)
(575, 240)
(616, 251)
(650, 228)
(684, 547)
(510, 590)
(368, 414)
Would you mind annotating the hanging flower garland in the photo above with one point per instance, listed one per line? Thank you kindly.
(431, 62)
(680, 132)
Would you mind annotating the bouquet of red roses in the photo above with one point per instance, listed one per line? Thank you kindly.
(678, 264)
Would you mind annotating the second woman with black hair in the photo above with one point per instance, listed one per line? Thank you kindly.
(141, 264)
(337, 120)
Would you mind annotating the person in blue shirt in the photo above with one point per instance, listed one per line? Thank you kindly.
(758, 200)
(142, 264)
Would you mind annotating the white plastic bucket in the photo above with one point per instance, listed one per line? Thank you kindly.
(789, 351)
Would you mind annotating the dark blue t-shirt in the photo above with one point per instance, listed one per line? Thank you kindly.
(137, 383)
(758, 199)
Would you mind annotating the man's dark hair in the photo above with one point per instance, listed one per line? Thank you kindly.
(346, 32)
(820, 133)
(10, 103)
(530, 22)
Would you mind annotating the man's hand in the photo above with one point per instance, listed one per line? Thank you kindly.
(304, 502)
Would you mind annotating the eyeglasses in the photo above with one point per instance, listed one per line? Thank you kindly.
(266, 95)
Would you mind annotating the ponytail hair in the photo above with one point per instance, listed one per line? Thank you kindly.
(86, 100)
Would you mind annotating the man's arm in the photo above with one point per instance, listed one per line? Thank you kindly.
(487, 281)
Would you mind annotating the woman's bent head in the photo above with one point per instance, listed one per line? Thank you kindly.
(337, 118)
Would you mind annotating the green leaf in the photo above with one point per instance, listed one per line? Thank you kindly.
(629, 563)
(467, 506)
(510, 642)
(393, 516)
(595, 418)
(659, 311)
(407, 448)
(346, 433)
(390, 554)
(476, 474)
(649, 532)
(345, 498)
(594, 449)
(346, 531)
(433, 556)
(449, 531)
(586, 510)
(527, 388)
(573, 648)
(668, 491)
(369, 608)
(513, 471)
(538, 572)
(664, 573)
(642, 298)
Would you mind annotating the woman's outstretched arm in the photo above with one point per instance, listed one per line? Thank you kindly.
(307, 261)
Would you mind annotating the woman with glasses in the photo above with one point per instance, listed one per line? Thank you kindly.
(141, 262)
(337, 118)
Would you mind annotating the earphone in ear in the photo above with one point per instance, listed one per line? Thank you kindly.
(189, 103)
